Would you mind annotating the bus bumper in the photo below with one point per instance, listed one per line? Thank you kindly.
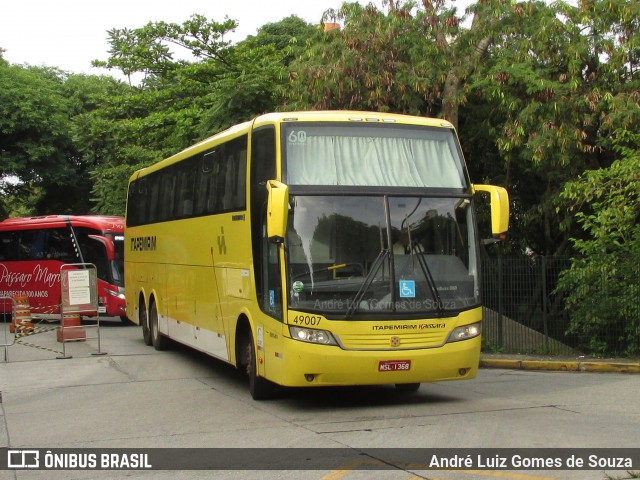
(320, 365)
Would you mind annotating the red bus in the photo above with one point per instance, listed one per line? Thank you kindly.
(33, 249)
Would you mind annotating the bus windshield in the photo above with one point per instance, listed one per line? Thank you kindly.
(361, 154)
(410, 255)
(117, 264)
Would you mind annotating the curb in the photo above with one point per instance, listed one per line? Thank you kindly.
(563, 366)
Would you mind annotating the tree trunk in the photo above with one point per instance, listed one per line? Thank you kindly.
(450, 98)
(463, 67)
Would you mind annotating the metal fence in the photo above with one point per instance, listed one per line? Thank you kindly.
(525, 312)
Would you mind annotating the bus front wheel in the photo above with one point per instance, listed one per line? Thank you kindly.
(259, 387)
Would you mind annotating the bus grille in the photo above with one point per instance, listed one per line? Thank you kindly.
(391, 341)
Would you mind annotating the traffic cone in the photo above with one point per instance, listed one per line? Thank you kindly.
(21, 315)
(71, 330)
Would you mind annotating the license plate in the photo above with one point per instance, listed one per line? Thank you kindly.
(394, 365)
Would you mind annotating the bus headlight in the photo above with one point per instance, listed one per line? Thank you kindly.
(119, 294)
(311, 335)
(465, 332)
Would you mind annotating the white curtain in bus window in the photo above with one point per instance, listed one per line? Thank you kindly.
(429, 161)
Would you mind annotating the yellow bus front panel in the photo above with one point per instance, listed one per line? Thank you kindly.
(319, 365)
(373, 359)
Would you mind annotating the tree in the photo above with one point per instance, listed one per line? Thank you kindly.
(536, 88)
(603, 284)
(288, 35)
(368, 65)
(36, 146)
(147, 49)
(559, 79)
(411, 59)
(180, 102)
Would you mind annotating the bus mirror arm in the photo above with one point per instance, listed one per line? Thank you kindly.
(108, 245)
(499, 209)
(277, 210)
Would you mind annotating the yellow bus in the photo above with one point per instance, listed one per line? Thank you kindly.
(314, 249)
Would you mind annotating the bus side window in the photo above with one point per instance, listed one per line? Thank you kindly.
(265, 254)
(7, 245)
(132, 205)
(229, 176)
(204, 190)
(141, 197)
(29, 245)
(38, 245)
(167, 195)
(24, 245)
(60, 247)
(272, 298)
(185, 188)
(154, 198)
(218, 173)
(235, 175)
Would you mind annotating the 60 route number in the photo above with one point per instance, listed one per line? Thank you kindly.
(299, 136)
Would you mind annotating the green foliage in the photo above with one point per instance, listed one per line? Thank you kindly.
(180, 102)
(147, 49)
(603, 286)
(33, 122)
(412, 58)
(559, 80)
(110, 188)
(368, 65)
(251, 87)
(37, 148)
(289, 36)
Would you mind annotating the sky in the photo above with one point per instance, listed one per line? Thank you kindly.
(69, 34)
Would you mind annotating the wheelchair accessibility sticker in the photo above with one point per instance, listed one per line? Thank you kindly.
(407, 289)
(272, 298)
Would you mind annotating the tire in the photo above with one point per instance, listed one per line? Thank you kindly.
(407, 387)
(259, 387)
(125, 320)
(159, 341)
(144, 321)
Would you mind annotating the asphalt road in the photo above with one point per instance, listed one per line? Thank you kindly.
(134, 397)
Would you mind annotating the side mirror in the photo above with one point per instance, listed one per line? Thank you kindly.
(108, 245)
(499, 209)
(277, 210)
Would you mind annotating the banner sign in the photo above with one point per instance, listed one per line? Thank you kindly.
(407, 459)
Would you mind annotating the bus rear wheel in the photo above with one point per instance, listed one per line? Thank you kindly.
(144, 321)
(259, 387)
(160, 342)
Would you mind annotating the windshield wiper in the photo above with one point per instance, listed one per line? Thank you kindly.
(378, 262)
(430, 281)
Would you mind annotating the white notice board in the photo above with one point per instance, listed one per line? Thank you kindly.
(79, 288)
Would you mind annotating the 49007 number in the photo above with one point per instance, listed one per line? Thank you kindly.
(308, 320)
